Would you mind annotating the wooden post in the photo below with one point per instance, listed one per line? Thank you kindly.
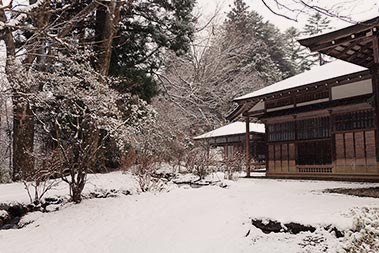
(247, 146)
(375, 85)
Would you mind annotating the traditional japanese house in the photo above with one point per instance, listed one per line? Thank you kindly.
(323, 123)
(232, 139)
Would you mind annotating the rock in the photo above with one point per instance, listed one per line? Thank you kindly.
(9, 226)
(126, 192)
(33, 208)
(295, 228)
(267, 227)
(4, 217)
(53, 200)
(11, 215)
(336, 232)
(17, 210)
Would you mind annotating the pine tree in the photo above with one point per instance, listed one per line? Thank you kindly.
(270, 60)
(238, 16)
(147, 31)
(297, 54)
(317, 24)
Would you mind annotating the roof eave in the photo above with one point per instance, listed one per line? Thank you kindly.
(246, 100)
(368, 24)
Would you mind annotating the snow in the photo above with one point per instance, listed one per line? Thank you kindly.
(15, 192)
(185, 219)
(317, 74)
(231, 129)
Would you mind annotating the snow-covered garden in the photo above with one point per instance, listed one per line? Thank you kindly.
(182, 218)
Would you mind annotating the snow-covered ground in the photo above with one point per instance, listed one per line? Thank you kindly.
(185, 219)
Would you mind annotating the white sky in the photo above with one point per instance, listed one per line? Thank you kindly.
(358, 10)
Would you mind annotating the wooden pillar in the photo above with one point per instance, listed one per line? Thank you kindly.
(375, 83)
(247, 146)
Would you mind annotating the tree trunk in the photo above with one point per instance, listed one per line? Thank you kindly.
(76, 194)
(23, 127)
(23, 140)
(106, 27)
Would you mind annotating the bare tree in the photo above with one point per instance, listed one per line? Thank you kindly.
(341, 10)
(232, 164)
(43, 179)
(203, 84)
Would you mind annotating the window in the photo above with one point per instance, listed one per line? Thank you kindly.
(316, 128)
(281, 131)
(314, 153)
(354, 120)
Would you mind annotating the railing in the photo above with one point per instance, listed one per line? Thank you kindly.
(321, 169)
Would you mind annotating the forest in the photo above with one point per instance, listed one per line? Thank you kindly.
(97, 86)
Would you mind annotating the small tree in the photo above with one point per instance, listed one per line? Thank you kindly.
(44, 178)
(317, 24)
(200, 159)
(233, 164)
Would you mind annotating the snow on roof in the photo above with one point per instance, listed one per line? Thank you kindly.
(233, 128)
(316, 74)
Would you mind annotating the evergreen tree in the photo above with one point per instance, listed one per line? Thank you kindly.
(317, 24)
(238, 17)
(146, 31)
(267, 48)
(297, 53)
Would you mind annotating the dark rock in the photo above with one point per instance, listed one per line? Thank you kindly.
(53, 200)
(9, 226)
(11, 215)
(15, 220)
(4, 217)
(17, 210)
(126, 192)
(267, 227)
(276, 227)
(32, 208)
(337, 232)
(295, 228)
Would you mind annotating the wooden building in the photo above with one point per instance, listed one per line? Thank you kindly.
(323, 123)
(232, 139)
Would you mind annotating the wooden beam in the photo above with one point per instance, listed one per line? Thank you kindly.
(363, 48)
(334, 43)
(375, 85)
(247, 146)
(375, 48)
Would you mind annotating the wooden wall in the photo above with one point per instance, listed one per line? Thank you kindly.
(282, 158)
(351, 148)
(356, 152)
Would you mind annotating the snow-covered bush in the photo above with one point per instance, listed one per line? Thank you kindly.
(201, 160)
(44, 178)
(364, 236)
(78, 110)
(232, 164)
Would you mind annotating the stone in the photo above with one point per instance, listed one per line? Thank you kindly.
(268, 227)
(295, 228)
